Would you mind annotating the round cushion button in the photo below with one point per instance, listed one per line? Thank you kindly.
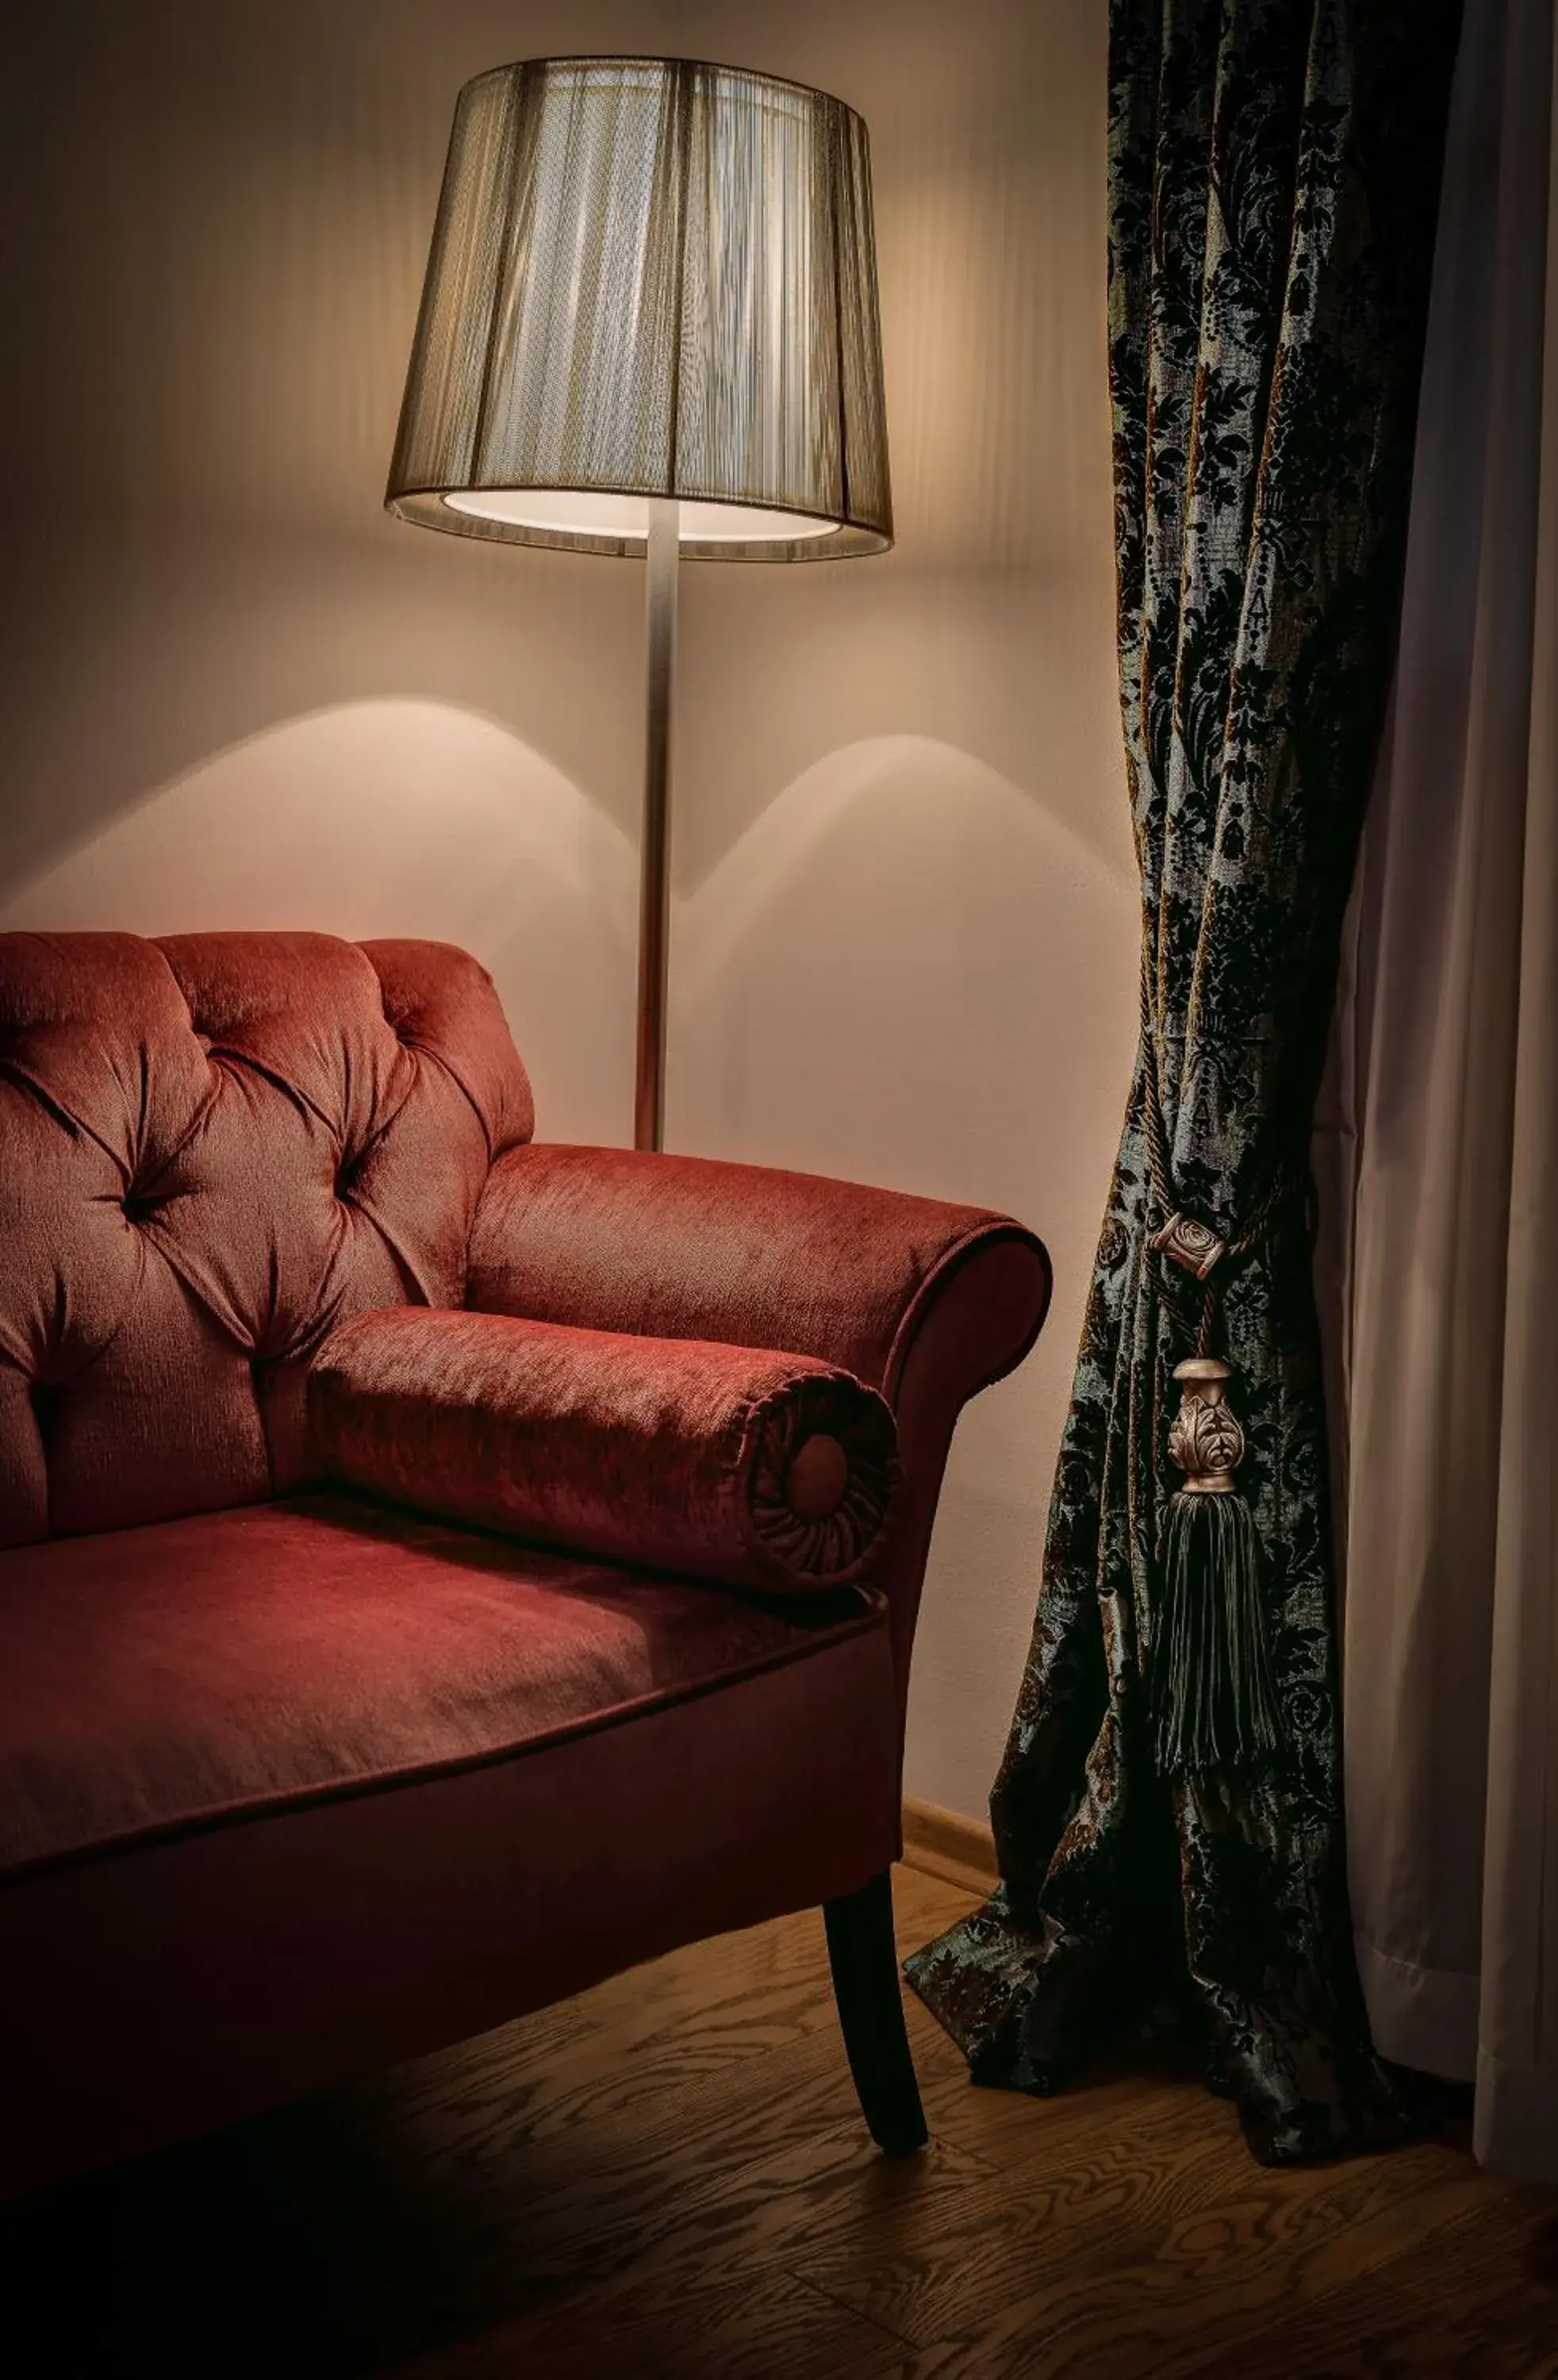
(817, 1477)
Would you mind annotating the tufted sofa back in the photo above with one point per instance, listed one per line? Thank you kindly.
(211, 1149)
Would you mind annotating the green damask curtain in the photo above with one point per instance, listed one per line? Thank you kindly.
(1273, 169)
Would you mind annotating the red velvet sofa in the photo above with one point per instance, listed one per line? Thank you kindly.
(438, 1570)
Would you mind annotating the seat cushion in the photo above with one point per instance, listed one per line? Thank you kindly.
(378, 1786)
(232, 1664)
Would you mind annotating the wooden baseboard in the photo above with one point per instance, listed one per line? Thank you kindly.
(958, 1850)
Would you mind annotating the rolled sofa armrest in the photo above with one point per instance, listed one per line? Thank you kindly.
(735, 1464)
(925, 1301)
(690, 1247)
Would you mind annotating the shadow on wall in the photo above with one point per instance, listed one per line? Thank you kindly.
(394, 818)
(908, 971)
(905, 970)
(136, 657)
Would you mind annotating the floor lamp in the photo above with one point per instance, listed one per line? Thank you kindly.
(648, 327)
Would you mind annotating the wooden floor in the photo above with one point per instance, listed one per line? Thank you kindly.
(668, 2177)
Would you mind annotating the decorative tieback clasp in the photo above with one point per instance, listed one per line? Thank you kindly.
(1189, 1244)
(1206, 1439)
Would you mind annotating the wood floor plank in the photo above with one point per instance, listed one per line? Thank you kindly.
(748, 2327)
(1147, 2255)
(1478, 2298)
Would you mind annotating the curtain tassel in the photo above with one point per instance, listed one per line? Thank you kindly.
(1213, 1702)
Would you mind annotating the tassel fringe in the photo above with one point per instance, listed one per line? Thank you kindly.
(1213, 1702)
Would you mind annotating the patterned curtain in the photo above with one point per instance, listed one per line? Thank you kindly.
(1273, 169)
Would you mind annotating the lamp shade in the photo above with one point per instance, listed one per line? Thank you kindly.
(650, 278)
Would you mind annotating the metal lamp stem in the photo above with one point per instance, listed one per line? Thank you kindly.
(654, 896)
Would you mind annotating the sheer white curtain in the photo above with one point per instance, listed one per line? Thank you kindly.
(1443, 1149)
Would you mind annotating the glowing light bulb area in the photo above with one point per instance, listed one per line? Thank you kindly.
(585, 512)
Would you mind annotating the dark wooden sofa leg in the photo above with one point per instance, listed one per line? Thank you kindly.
(870, 2014)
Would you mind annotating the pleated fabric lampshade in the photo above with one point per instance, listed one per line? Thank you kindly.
(651, 278)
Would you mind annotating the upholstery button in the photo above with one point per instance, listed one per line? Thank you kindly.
(139, 1207)
(816, 1480)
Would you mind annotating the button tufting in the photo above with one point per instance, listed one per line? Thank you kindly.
(223, 1088)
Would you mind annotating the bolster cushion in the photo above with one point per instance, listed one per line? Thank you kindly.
(732, 1463)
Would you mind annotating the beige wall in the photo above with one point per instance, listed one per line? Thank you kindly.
(236, 693)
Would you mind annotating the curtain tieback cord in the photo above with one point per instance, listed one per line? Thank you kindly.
(1211, 1696)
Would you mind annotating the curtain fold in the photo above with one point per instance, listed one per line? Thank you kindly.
(1273, 170)
(1447, 1085)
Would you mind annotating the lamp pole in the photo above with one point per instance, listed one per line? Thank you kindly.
(654, 880)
